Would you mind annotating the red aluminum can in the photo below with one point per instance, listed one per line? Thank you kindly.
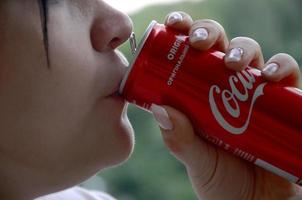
(258, 121)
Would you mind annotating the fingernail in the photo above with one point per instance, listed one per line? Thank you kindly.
(199, 34)
(270, 69)
(161, 116)
(174, 18)
(235, 55)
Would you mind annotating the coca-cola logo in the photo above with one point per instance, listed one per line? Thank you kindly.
(231, 100)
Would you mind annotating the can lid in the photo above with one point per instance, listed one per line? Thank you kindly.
(137, 52)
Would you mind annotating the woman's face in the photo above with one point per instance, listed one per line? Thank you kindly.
(59, 73)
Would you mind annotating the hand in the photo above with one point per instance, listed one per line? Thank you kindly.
(214, 173)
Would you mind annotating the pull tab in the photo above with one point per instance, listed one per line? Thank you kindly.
(132, 41)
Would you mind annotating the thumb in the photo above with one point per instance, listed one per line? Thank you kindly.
(179, 137)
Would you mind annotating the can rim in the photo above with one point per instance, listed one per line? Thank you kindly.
(138, 50)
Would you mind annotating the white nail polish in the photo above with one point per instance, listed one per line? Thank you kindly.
(199, 34)
(270, 69)
(174, 18)
(162, 117)
(235, 55)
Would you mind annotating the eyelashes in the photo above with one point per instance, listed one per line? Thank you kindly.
(43, 5)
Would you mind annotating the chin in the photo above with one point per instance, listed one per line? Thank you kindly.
(126, 141)
(124, 133)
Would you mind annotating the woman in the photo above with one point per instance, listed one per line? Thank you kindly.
(62, 120)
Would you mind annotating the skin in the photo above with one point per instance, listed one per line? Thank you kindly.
(62, 122)
(214, 173)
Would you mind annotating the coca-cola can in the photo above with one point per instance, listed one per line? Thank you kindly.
(240, 112)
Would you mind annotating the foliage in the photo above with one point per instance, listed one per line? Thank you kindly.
(152, 173)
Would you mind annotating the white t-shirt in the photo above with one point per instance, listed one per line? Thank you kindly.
(77, 193)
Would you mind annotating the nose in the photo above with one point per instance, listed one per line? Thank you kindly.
(110, 28)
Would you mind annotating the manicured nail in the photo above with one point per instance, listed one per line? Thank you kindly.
(174, 18)
(161, 116)
(199, 34)
(270, 69)
(235, 55)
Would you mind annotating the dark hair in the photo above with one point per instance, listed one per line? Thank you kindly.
(43, 5)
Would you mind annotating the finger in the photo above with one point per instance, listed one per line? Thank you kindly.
(179, 137)
(179, 20)
(282, 67)
(211, 170)
(243, 52)
(206, 34)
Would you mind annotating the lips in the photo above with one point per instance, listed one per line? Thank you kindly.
(115, 94)
(124, 64)
(117, 97)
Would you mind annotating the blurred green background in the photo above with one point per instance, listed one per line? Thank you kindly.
(152, 173)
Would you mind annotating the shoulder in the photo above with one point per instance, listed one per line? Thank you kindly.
(77, 193)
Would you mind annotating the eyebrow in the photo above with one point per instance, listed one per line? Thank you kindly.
(43, 6)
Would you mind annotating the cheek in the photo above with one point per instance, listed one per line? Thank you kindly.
(73, 61)
(73, 56)
(44, 109)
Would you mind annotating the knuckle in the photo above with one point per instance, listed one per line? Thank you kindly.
(183, 13)
(251, 46)
(214, 22)
(246, 41)
(237, 40)
(284, 57)
(209, 23)
(173, 12)
(287, 59)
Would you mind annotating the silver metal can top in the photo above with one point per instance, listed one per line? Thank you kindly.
(136, 51)
(133, 44)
